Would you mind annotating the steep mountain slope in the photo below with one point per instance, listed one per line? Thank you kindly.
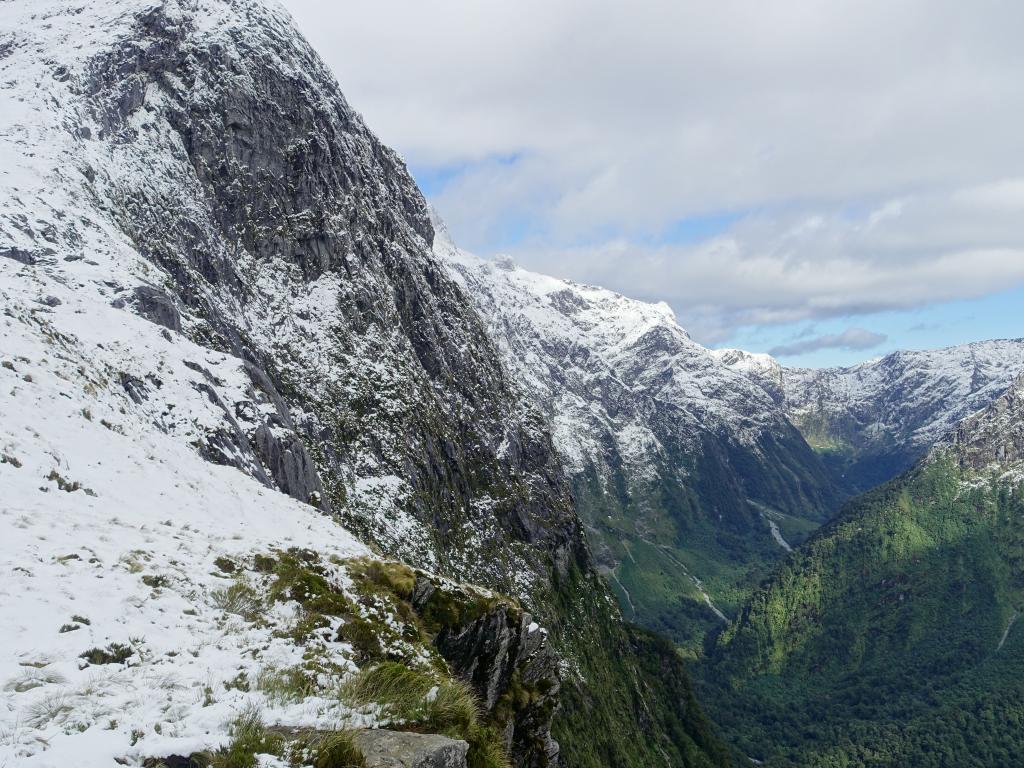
(684, 470)
(874, 420)
(149, 602)
(198, 234)
(890, 637)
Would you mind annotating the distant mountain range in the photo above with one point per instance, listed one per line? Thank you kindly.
(872, 421)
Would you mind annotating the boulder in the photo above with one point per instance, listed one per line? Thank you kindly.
(398, 749)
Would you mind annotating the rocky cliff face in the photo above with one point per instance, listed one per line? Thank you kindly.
(992, 439)
(284, 233)
(505, 655)
(681, 466)
(219, 250)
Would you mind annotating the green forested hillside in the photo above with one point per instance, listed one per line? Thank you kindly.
(889, 638)
(695, 538)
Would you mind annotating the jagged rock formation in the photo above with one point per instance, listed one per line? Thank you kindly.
(680, 466)
(993, 438)
(505, 655)
(874, 420)
(219, 250)
(287, 235)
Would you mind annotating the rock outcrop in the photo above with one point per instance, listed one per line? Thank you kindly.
(498, 648)
(992, 439)
(401, 749)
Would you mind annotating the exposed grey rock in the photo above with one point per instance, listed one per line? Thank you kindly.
(264, 445)
(399, 749)
(285, 455)
(136, 388)
(156, 306)
(19, 254)
(993, 438)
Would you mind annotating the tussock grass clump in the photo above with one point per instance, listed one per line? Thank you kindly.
(298, 580)
(195, 760)
(55, 707)
(34, 678)
(249, 737)
(486, 749)
(115, 653)
(240, 599)
(332, 750)
(397, 578)
(397, 688)
(287, 684)
(264, 563)
(364, 637)
(416, 700)
(452, 708)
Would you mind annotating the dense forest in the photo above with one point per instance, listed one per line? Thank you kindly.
(888, 638)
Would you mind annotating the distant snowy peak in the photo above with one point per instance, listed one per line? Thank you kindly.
(906, 400)
(584, 313)
(912, 396)
(758, 366)
(602, 364)
(742, 361)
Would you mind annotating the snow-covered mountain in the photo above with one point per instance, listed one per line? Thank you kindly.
(221, 187)
(232, 371)
(572, 345)
(878, 417)
(683, 459)
(684, 468)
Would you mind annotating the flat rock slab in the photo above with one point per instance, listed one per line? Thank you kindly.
(398, 749)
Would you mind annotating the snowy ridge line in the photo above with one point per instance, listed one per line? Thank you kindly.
(613, 355)
(907, 398)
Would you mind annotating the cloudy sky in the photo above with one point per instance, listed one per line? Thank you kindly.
(825, 180)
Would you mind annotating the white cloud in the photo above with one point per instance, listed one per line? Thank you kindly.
(660, 109)
(772, 269)
(850, 339)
